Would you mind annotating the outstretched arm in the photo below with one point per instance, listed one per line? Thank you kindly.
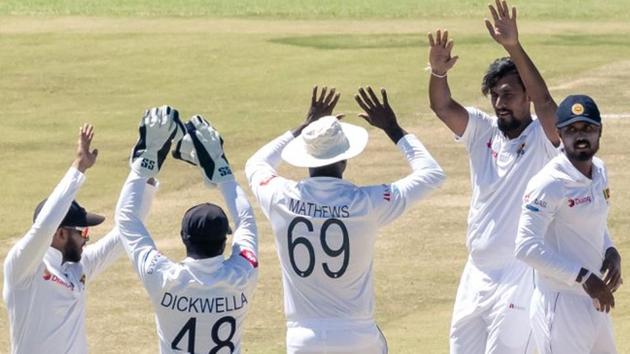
(260, 169)
(24, 258)
(445, 107)
(391, 200)
(245, 239)
(158, 128)
(505, 32)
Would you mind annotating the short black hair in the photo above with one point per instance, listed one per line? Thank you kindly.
(499, 69)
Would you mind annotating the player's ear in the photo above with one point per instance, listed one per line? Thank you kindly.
(59, 238)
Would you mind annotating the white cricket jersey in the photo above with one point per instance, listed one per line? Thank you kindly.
(200, 305)
(563, 224)
(325, 229)
(45, 297)
(499, 171)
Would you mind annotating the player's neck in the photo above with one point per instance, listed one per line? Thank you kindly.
(329, 174)
(584, 166)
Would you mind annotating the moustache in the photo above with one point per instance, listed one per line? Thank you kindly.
(580, 142)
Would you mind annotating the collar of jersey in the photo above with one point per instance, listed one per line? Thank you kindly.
(54, 257)
(206, 264)
(574, 173)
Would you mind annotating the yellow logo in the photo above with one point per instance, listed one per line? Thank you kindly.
(577, 108)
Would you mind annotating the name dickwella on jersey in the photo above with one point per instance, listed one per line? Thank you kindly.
(202, 304)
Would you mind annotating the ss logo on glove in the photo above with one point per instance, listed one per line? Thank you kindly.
(146, 163)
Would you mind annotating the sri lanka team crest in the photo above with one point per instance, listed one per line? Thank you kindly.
(606, 193)
(577, 109)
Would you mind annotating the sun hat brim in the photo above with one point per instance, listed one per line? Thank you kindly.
(295, 152)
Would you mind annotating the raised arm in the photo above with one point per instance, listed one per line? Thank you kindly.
(442, 103)
(505, 32)
(158, 128)
(260, 169)
(101, 254)
(393, 199)
(24, 258)
(245, 235)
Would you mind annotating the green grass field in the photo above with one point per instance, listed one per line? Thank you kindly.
(249, 67)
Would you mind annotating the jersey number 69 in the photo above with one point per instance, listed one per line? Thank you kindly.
(344, 249)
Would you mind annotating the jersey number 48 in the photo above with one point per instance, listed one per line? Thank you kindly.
(190, 329)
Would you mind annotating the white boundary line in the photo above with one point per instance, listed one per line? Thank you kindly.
(616, 116)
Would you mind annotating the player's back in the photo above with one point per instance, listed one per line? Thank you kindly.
(325, 232)
(201, 305)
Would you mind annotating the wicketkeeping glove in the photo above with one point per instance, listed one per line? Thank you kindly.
(159, 127)
(203, 146)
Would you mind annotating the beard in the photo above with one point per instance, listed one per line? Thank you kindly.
(582, 154)
(72, 252)
(506, 125)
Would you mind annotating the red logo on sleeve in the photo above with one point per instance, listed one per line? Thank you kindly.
(387, 193)
(266, 181)
(250, 257)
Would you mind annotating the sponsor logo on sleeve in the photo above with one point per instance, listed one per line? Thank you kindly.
(266, 181)
(250, 257)
(153, 263)
(535, 204)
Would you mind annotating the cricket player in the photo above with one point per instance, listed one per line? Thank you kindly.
(326, 227)
(491, 308)
(47, 271)
(201, 302)
(563, 235)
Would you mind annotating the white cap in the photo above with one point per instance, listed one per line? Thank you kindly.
(324, 142)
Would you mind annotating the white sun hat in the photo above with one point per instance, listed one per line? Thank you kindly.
(324, 142)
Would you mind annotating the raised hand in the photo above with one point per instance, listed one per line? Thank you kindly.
(611, 268)
(440, 49)
(379, 114)
(603, 299)
(159, 127)
(85, 158)
(504, 29)
(208, 152)
(320, 107)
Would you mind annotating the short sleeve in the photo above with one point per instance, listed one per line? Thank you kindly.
(478, 127)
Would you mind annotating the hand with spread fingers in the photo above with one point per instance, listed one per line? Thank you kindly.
(440, 48)
(379, 114)
(504, 29)
(203, 146)
(611, 268)
(85, 158)
(159, 127)
(603, 299)
(320, 107)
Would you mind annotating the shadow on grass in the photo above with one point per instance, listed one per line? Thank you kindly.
(387, 40)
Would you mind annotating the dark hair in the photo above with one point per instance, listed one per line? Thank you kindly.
(499, 69)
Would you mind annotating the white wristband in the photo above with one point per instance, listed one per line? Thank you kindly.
(430, 69)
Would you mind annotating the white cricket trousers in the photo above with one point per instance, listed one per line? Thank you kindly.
(491, 312)
(334, 337)
(567, 323)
